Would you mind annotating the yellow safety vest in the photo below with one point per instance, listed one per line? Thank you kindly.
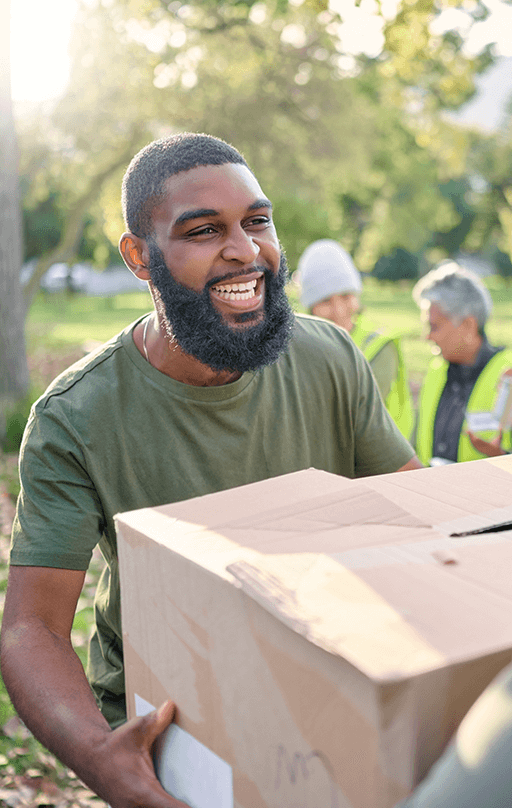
(481, 400)
(370, 341)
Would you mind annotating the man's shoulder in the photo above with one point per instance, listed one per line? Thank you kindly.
(319, 351)
(91, 372)
(315, 333)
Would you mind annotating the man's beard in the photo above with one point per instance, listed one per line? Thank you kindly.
(200, 330)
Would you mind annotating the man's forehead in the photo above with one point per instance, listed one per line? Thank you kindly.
(210, 187)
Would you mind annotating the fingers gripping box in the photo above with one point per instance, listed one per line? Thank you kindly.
(322, 637)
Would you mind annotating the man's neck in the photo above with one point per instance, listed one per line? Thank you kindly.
(166, 356)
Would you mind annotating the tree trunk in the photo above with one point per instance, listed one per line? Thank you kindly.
(65, 251)
(13, 359)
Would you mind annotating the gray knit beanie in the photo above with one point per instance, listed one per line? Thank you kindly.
(326, 269)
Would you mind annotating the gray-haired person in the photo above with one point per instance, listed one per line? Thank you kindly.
(457, 405)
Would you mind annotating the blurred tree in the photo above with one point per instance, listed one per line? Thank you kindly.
(324, 131)
(400, 265)
(13, 362)
(458, 192)
(42, 224)
(503, 265)
(431, 68)
(393, 198)
(489, 170)
(80, 182)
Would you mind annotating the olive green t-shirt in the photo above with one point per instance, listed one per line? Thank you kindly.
(113, 434)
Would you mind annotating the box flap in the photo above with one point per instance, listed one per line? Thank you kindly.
(333, 608)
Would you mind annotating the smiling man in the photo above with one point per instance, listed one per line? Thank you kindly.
(232, 314)
(221, 385)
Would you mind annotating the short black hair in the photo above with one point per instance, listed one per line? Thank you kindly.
(144, 179)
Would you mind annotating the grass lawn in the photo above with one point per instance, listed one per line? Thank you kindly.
(74, 320)
(59, 330)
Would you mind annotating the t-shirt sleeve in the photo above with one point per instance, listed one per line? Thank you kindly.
(59, 518)
(380, 447)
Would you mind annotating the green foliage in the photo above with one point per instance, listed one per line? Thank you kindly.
(43, 227)
(457, 191)
(400, 265)
(42, 224)
(393, 197)
(16, 420)
(349, 148)
(434, 65)
(489, 166)
(503, 264)
(298, 223)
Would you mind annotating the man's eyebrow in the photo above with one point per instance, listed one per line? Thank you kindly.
(200, 213)
(196, 214)
(260, 203)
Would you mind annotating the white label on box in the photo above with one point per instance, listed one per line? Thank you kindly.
(189, 770)
(142, 707)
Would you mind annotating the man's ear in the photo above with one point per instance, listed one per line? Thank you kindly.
(135, 254)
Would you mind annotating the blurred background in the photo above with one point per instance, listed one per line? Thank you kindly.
(384, 124)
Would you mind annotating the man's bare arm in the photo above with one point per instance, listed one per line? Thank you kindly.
(48, 688)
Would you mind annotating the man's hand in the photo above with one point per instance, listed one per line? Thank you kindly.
(128, 772)
(491, 448)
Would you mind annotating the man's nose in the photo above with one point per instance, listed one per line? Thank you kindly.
(241, 247)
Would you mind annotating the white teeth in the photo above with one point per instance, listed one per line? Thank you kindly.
(236, 295)
(236, 291)
(236, 287)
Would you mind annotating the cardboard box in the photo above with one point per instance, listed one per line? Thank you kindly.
(322, 636)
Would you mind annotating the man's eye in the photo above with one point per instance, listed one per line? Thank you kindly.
(203, 231)
(258, 220)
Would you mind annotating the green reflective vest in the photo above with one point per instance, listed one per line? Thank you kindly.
(370, 341)
(481, 400)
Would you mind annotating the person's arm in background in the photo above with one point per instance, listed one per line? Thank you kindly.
(48, 688)
(475, 771)
(491, 448)
(413, 464)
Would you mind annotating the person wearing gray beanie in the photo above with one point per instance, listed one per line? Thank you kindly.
(330, 283)
(330, 287)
